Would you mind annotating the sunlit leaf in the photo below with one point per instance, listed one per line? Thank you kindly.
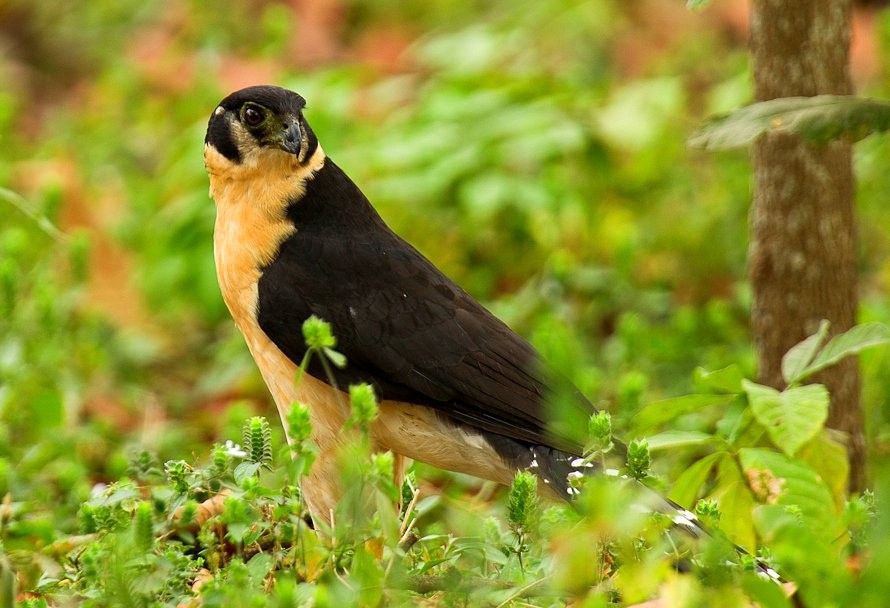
(663, 411)
(791, 417)
(819, 119)
(765, 593)
(796, 360)
(735, 501)
(725, 380)
(687, 486)
(829, 459)
(852, 341)
(792, 484)
(678, 439)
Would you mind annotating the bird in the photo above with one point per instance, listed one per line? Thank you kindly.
(458, 389)
(294, 237)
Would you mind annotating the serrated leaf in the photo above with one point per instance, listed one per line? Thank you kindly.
(850, 342)
(686, 488)
(797, 485)
(818, 119)
(791, 417)
(796, 360)
(678, 439)
(663, 411)
(726, 380)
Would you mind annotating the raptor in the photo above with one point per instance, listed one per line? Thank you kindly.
(459, 390)
(295, 237)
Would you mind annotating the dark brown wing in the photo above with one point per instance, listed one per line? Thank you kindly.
(402, 324)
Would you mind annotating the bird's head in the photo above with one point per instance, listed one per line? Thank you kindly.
(260, 125)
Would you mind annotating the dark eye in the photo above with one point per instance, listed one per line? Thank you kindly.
(253, 116)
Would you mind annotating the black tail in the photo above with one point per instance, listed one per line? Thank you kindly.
(559, 470)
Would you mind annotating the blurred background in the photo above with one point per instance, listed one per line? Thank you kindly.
(535, 151)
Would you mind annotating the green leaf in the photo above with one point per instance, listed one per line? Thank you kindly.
(792, 417)
(335, 357)
(47, 408)
(663, 411)
(850, 342)
(819, 119)
(678, 439)
(695, 5)
(686, 488)
(736, 502)
(794, 484)
(259, 566)
(829, 459)
(246, 469)
(726, 380)
(796, 360)
(7, 584)
(765, 593)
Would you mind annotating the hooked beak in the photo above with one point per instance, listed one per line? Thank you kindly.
(292, 138)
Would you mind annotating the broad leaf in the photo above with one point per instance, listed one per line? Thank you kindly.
(796, 360)
(792, 417)
(819, 119)
(678, 439)
(736, 503)
(246, 469)
(765, 593)
(850, 342)
(660, 412)
(686, 488)
(828, 458)
(791, 483)
(726, 380)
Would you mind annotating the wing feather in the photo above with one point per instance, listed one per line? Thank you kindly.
(403, 325)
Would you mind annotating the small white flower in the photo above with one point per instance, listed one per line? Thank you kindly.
(233, 449)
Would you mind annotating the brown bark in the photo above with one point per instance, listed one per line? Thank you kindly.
(802, 261)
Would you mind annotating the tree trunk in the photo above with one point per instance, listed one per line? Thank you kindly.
(802, 261)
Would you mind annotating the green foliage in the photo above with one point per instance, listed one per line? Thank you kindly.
(796, 482)
(811, 356)
(522, 512)
(299, 431)
(792, 417)
(532, 154)
(364, 405)
(317, 334)
(522, 502)
(320, 342)
(638, 459)
(708, 512)
(257, 438)
(859, 515)
(819, 119)
(599, 429)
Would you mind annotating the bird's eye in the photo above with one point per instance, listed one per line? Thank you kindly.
(253, 116)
